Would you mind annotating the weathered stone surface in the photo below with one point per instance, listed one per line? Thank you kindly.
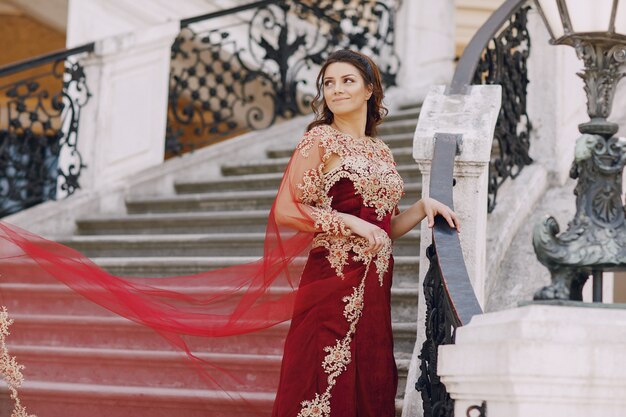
(540, 360)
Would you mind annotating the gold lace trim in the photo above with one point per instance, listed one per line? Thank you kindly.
(329, 221)
(380, 185)
(370, 167)
(10, 369)
(339, 248)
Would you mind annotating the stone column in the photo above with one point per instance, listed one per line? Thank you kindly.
(474, 116)
(540, 360)
(425, 44)
(122, 128)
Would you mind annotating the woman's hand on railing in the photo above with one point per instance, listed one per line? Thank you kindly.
(427, 208)
(433, 208)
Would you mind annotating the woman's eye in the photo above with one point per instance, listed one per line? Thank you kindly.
(349, 80)
(327, 83)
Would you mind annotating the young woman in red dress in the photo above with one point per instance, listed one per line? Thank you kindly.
(342, 185)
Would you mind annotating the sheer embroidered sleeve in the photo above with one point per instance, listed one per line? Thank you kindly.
(302, 203)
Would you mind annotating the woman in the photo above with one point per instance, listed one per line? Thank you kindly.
(341, 184)
(337, 204)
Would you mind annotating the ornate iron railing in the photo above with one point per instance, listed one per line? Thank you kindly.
(498, 54)
(449, 295)
(40, 104)
(249, 69)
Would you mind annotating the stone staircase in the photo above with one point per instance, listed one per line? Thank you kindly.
(83, 361)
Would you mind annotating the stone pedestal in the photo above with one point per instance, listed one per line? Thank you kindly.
(425, 43)
(565, 360)
(122, 129)
(474, 116)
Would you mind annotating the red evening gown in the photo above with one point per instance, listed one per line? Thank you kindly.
(338, 355)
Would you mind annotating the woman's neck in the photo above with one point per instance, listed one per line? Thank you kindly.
(354, 127)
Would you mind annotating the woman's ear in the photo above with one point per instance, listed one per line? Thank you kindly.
(370, 91)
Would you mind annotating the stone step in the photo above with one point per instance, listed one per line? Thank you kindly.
(224, 200)
(59, 399)
(244, 221)
(254, 221)
(394, 141)
(207, 244)
(402, 156)
(405, 267)
(408, 113)
(114, 332)
(62, 399)
(152, 368)
(51, 298)
(267, 181)
(403, 125)
(410, 106)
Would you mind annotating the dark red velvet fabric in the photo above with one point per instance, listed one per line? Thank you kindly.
(367, 388)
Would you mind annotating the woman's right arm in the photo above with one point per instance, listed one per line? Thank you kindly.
(301, 188)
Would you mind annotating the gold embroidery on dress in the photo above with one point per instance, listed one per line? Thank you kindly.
(371, 168)
(312, 186)
(338, 357)
(379, 184)
(339, 248)
(329, 221)
(10, 370)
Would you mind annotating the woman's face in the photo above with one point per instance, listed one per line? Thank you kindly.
(344, 89)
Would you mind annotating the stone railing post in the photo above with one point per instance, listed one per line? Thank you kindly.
(122, 129)
(474, 116)
(540, 360)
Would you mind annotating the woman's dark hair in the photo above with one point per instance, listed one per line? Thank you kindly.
(371, 75)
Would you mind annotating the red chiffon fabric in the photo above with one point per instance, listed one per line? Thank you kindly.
(246, 307)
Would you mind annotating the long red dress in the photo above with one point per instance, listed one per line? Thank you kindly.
(338, 357)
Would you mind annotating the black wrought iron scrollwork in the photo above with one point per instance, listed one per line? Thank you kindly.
(440, 330)
(365, 25)
(477, 410)
(39, 117)
(246, 75)
(504, 62)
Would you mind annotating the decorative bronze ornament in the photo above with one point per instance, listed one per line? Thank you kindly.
(595, 239)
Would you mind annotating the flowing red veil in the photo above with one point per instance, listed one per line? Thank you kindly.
(243, 307)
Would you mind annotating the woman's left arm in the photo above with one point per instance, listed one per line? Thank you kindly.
(425, 208)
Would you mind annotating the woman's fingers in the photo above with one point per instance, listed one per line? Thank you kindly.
(430, 217)
(433, 208)
(372, 242)
(450, 216)
(446, 215)
(376, 241)
(455, 219)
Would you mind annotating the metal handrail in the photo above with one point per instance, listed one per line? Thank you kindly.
(208, 16)
(186, 22)
(44, 59)
(448, 292)
(466, 67)
(461, 296)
